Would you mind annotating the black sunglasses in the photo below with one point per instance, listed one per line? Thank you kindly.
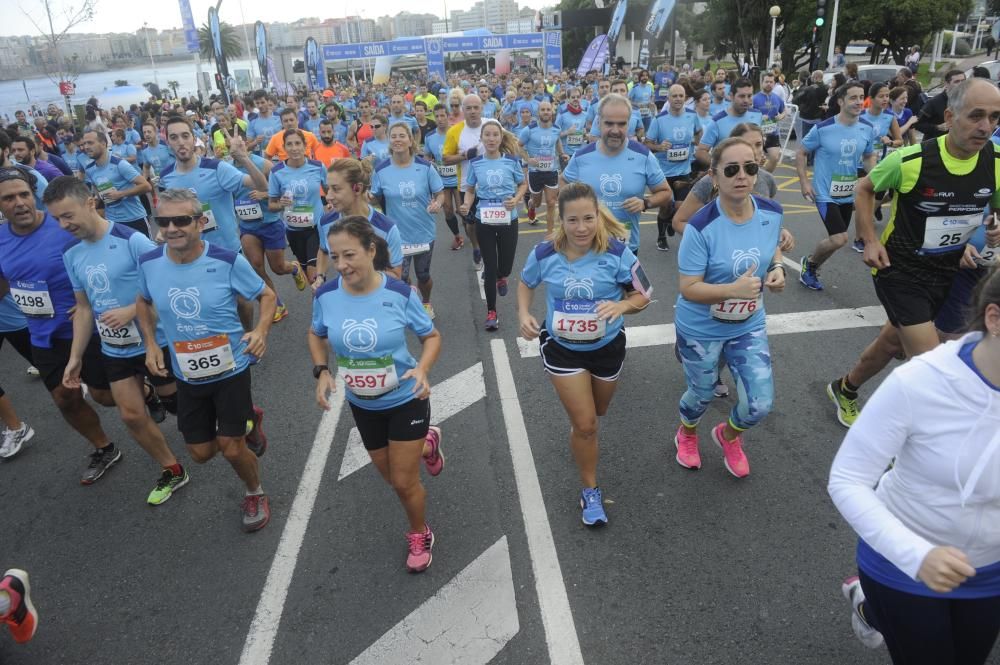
(750, 168)
(179, 221)
(376, 126)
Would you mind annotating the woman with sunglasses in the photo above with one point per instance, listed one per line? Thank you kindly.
(495, 184)
(591, 281)
(728, 253)
(455, 98)
(412, 193)
(363, 315)
(295, 191)
(376, 149)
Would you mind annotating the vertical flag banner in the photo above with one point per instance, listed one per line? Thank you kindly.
(315, 70)
(617, 21)
(190, 31)
(653, 32)
(435, 59)
(553, 52)
(221, 66)
(260, 41)
(594, 56)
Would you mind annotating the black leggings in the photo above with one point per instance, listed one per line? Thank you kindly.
(497, 244)
(920, 630)
(21, 341)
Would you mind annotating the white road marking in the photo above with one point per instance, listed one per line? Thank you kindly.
(557, 619)
(467, 622)
(264, 627)
(479, 281)
(447, 398)
(792, 263)
(777, 324)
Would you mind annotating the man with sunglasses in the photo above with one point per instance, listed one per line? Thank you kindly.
(102, 264)
(192, 287)
(32, 271)
(462, 144)
(840, 147)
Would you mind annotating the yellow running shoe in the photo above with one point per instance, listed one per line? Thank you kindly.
(280, 313)
(299, 275)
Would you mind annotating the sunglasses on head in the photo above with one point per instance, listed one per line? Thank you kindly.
(179, 221)
(13, 173)
(750, 168)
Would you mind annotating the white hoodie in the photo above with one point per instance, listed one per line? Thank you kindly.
(941, 422)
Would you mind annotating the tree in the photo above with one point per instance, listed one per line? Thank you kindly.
(57, 67)
(120, 83)
(173, 85)
(231, 45)
(576, 40)
(906, 23)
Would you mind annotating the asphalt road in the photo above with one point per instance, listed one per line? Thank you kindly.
(695, 567)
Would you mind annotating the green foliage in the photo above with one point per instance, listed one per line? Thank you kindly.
(231, 45)
(575, 41)
(898, 25)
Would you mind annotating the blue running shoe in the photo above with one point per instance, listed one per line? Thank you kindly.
(592, 504)
(808, 277)
(477, 259)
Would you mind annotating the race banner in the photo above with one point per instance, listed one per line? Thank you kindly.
(435, 59)
(553, 52)
(617, 21)
(221, 66)
(260, 40)
(595, 55)
(315, 71)
(654, 31)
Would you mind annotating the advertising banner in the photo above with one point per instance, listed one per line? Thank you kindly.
(260, 41)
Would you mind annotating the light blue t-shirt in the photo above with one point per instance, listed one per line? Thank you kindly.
(76, 160)
(11, 318)
(252, 214)
(529, 103)
(408, 191)
(540, 142)
(434, 147)
(196, 303)
(384, 229)
(680, 131)
(715, 108)
(312, 124)
(573, 289)
(495, 180)
(305, 184)
(634, 123)
(490, 109)
(118, 174)
(839, 151)
(158, 158)
(368, 335)
(720, 250)
(123, 150)
(616, 179)
(723, 123)
(575, 123)
(379, 149)
(880, 125)
(107, 272)
(408, 119)
(215, 183)
(265, 128)
(641, 95)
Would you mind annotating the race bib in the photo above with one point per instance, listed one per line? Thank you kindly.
(644, 111)
(33, 299)
(368, 377)
(127, 336)
(577, 321)
(769, 127)
(411, 248)
(447, 170)
(299, 217)
(248, 210)
(545, 163)
(493, 213)
(204, 358)
(574, 139)
(736, 310)
(988, 257)
(210, 224)
(103, 188)
(949, 233)
(842, 185)
(677, 154)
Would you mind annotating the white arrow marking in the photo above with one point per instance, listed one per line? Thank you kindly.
(467, 622)
(447, 398)
(777, 324)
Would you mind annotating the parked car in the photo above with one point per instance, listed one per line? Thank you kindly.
(873, 73)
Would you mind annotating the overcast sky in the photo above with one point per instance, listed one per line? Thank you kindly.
(129, 15)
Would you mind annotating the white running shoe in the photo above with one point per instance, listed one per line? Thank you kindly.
(855, 595)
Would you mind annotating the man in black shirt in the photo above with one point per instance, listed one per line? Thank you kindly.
(930, 122)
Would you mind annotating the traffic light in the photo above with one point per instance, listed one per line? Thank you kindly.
(820, 13)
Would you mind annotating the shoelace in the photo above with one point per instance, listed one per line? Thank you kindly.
(164, 480)
(687, 445)
(417, 542)
(251, 503)
(592, 498)
(96, 458)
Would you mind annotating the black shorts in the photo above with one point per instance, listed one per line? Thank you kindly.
(304, 244)
(119, 369)
(406, 422)
(51, 363)
(537, 180)
(21, 341)
(219, 408)
(771, 141)
(836, 216)
(955, 313)
(906, 300)
(139, 225)
(604, 363)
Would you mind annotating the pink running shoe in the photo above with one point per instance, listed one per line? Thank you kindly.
(736, 461)
(434, 458)
(420, 545)
(687, 449)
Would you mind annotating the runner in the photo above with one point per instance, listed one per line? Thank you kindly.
(591, 281)
(361, 128)
(25, 152)
(739, 110)
(434, 150)
(155, 156)
(840, 146)
(265, 125)
(376, 149)
(702, 109)
(540, 141)
(275, 150)
(887, 138)
(387, 388)
(772, 110)
(636, 129)
(572, 124)
(720, 308)
(329, 148)
(603, 90)
(672, 136)
(641, 96)
(916, 260)
(927, 566)
(348, 182)
(424, 123)
(495, 183)
(118, 183)
(294, 191)
(208, 345)
(16, 608)
(618, 169)
(120, 149)
(397, 113)
(32, 270)
(102, 264)
(13, 328)
(460, 145)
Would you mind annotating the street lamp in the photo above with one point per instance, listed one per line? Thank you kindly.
(149, 47)
(775, 12)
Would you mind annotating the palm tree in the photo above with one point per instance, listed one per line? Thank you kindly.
(231, 47)
(173, 85)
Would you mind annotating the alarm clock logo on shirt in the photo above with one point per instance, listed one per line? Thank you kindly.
(184, 303)
(360, 337)
(744, 260)
(408, 192)
(578, 289)
(611, 185)
(97, 278)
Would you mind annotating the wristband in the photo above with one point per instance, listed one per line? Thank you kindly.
(777, 265)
